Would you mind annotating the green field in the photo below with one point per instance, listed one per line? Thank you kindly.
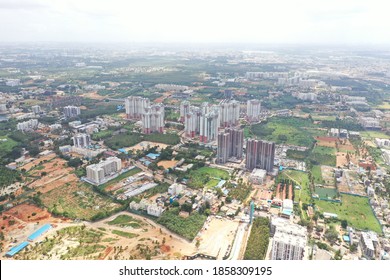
(125, 221)
(324, 150)
(374, 134)
(206, 176)
(326, 193)
(301, 179)
(285, 130)
(124, 234)
(356, 210)
(317, 174)
(6, 146)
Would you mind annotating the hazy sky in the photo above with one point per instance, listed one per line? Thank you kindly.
(241, 21)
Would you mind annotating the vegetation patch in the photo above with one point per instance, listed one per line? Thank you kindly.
(257, 246)
(186, 227)
(124, 234)
(354, 209)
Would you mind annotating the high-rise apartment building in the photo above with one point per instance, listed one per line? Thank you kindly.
(229, 113)
(27, 125)
(184, 109)
(230, 144)
(260, 154)
(136, 106)
(208, 127)
(36, 109)
(253, 110)
(289, 242)
(71, 111)
(104, 171)
(81, 140)
(153, 119)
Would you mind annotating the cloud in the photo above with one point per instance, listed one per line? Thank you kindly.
(21, 5)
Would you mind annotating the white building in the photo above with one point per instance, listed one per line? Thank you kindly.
(289, 242)
(28, 125)
(36, 109)
(71, 111)
(175, 189)
(154, 210)
(229, 113)
(209, 127)
(382, 142)
(81, 140)
(55, 126)
(12, 82)
(257, 176)
(104, 171)
(184, 109)
(136, 106)
(153, 119)
(253, 110)
(386, 156)
(369, 243)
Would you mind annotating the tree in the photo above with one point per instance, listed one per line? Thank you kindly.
(344, 224)
(331, 235)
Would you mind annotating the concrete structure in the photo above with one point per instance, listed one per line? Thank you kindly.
(257, 176)
(260, 154)
(289, 242)
(28, 125)
(81, 140)
(36, 109)
(3, 108)
(154, 210)
(253, 110)
(230, 145)
(175, 189)
(386, 156)
(135, 107)
(71, 111)
(229, 113)
(184, 109)
(370, 123)
(369, 243)
(153, 119)
(382, 142)
(208, 127)
(103, 171)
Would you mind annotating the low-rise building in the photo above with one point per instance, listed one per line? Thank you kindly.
(257, 176)
(369, 243)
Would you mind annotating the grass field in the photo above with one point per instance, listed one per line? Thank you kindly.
(6, 146)
(206, 176)
(285, 130)
(324, 150)
(125, 220)
(124, 234)
(78, 202)
(374, 134)
(356, 210)
(301, 179)
(317, 174)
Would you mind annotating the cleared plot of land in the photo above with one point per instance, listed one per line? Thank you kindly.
(217, 229)
(102, 241)
(78, 202)
(167, 163)
(356, 210)
(144, 145)
(115, 183)
(37, 162)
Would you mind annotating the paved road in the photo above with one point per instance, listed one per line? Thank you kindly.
(235, 253)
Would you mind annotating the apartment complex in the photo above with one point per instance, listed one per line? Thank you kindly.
(260, 154)
(71, 111)
(104, 171)
(229, 113)
(208, 127)
(81, 140)
(28, 125)
(253, 110)
(230, 144)
(184, 109)
(135, 107)
(153, 119)
(289, 240)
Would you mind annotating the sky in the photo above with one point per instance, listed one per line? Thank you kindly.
(197, 21)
